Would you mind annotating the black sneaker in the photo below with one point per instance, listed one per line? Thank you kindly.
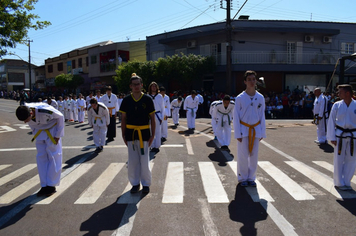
(163, 139)
(98, 149)
(50, 190)
(145, 190)
(42, 192)
(135, 189)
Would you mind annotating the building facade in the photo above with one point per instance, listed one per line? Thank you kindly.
(288, 54)
(14, 75)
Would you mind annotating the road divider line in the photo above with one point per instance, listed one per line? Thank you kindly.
(330, 168)
(16, 173)
(4, 166)
(19, 190)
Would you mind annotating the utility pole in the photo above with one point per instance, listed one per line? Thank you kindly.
(29, 67)
(229, 88)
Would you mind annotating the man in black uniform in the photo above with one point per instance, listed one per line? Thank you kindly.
(138, 113)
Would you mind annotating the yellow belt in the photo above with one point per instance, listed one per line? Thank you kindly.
(138, 128)
(251, 138)
(110, 110)
(81, 108)
(97, 118)
(48, 133)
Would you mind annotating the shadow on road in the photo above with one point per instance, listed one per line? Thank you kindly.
(243, 209)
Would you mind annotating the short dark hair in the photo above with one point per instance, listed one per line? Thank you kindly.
(162, 89)
(194, 92)
(23, 112)
(135, 77)
(180, 98)
(93, 101)
(226, 98)
(249, 72)
(346, 87)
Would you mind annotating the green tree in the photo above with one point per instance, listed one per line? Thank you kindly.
(62, 80)
(75, 82)
(15, 21)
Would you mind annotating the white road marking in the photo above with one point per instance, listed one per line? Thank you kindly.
(16, 173)
(213, 187)
(4, 166)
(189, 146)
(94, 191)
(293, 188)
(22, 126)
(4, 129)
(321, 179)
(19, 190)
(85, 147)
(278, 151)
(260, 194)
(209, 227)
(67, 181)
(173, 191)
(330, 167)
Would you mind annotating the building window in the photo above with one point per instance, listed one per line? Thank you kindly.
(60, 66)
(93, 60)
(50, 69)
(80, 64)
(87, 61)
(73, 64)
(348, 48)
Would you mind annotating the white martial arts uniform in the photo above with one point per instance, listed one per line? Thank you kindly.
(320, 110)
(191, 106)
(167, 113)
(175, 107)
(342, 128)
(81, 109)
(223, 118)
(249, 110)
(69, 110)
(159, 110)
(49, 155)
(111, 104)
(74, 109)
(61, 106)
(98, 98)
(99, 121)
(53, 103)
(213, 119)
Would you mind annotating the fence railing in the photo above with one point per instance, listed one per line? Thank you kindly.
(278, 58)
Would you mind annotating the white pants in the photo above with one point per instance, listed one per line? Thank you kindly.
(213, 125)
(75, 114)
(223, 134)
(164, 128)
(70, 115)
(49, 162)
(321, 130)
(138, 164)
(247, 162)
(157, 140)
(99, 135)
(81, 115)
(175, 116)
(344, 164)
(191, 118)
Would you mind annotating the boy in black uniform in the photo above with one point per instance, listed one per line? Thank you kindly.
(137, 114)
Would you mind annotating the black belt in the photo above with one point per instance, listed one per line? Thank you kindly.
(341, 137)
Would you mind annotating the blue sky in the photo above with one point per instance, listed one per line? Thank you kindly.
(78, 23)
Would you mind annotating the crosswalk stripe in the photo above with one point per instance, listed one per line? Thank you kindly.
(67, 181)
(4, 166)
(94, 191)
(330, 167)
(16, 173)
(173, 191)
(19, 190)
(293, 188)
(213, 187)
(322, 180)
(261, 193)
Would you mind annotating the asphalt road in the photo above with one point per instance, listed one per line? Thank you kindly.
(194, 187)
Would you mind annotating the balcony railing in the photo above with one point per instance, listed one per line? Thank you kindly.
(278, 58)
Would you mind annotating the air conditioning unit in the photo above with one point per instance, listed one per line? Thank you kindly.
(191, 44)
(309, 38)
(327, 39)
